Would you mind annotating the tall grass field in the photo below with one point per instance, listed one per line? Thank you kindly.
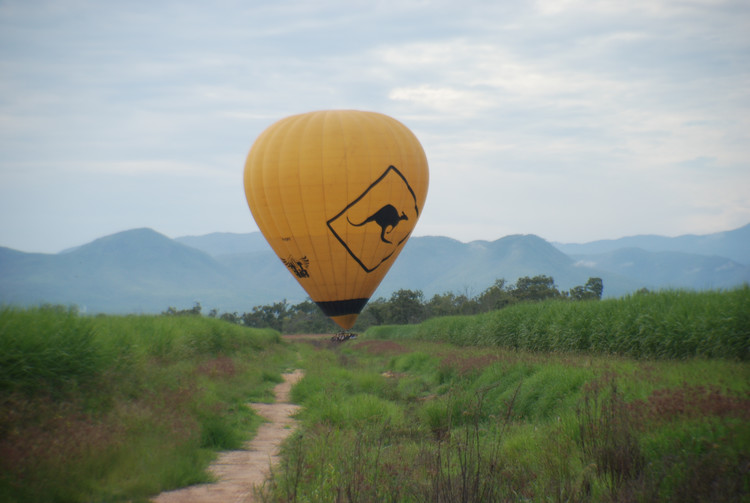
(667, 324)
(642, 399)
(639, 399)
(119, 408)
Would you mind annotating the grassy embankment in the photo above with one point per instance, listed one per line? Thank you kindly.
(119, 408)
(645, 398)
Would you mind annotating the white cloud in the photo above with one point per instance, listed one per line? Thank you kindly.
(137, 168)
(465, 102)
(657, 8)
(585, 263)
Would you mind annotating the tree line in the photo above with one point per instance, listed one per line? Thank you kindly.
(404, 306)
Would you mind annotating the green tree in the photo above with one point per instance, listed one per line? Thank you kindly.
(449, 304)
(495, 297)
(596, 287)
(268, 316)
(539, 287)
(592, 290)
(231, 318)
(375, 313)
(307, 318)
(406, 306)
(194, 311)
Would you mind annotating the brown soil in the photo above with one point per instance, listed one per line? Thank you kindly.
(238, 472)
(306, 337)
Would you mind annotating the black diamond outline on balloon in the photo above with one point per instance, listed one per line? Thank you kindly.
(341, 240)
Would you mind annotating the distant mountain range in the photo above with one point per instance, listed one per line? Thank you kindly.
(733, 245)
(142, 271)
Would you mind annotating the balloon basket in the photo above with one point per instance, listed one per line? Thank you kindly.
(343, 336)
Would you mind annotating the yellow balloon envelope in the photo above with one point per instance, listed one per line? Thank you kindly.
(337, 194)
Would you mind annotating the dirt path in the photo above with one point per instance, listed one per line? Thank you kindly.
(238, 471)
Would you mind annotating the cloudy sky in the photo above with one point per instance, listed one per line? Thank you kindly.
(575, 120)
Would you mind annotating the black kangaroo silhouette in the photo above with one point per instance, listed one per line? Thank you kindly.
(385, 217)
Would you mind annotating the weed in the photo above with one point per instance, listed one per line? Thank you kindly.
(606, 434)
(685, 402)
(222, 366)
(465, 463)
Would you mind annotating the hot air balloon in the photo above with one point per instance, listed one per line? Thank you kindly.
(337, 194)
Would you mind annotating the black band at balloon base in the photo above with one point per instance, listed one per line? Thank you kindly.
(342, 307)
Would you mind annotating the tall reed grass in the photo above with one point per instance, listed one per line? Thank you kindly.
(121, 407)
(666, 324)
(47, 347)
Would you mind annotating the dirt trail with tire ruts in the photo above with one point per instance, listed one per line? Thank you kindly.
(238, 472)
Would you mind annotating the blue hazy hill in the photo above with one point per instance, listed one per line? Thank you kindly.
(141, 270)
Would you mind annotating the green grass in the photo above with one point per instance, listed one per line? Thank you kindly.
(667, 324)
(409, 420)
(645, 398)
(119, 408)
(47, 348)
